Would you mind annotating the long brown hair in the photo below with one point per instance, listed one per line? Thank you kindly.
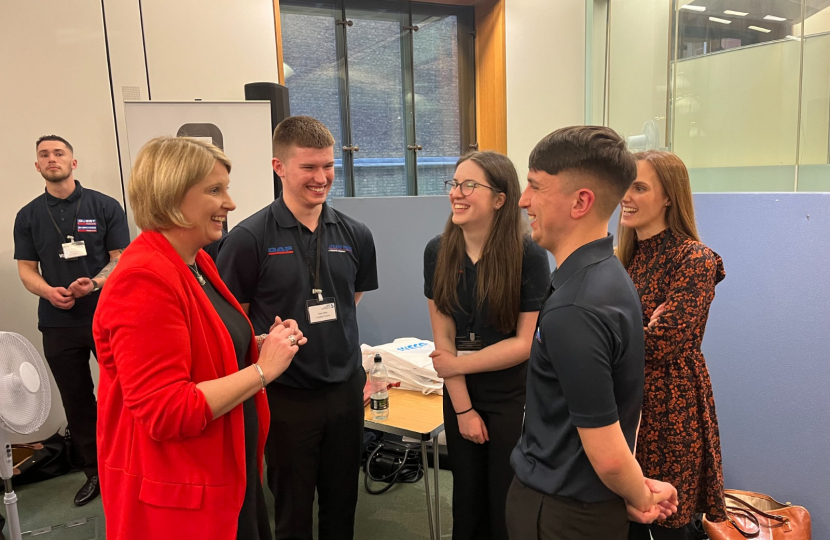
(680, 214)
(499, 278)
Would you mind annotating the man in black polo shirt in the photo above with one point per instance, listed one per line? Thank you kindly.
(75, 236)
(576, 476)
(298, 258)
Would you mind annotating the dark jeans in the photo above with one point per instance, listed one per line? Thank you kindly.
(639, 531)
(67, 352)
(315, 443)
(535, 516)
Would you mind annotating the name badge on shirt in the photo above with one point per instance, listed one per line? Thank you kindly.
(319, 311)
(73, 250)
(465, 345)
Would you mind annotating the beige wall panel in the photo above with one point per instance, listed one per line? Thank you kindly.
(545, 72)
(208, 49)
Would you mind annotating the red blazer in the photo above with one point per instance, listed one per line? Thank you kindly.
(167, 468)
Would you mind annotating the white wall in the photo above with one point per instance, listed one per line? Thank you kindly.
(57, 80)
(208, 49)
(545, 72)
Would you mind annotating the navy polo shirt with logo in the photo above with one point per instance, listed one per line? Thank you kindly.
(586, 371)
(262, 265)
(87, 215)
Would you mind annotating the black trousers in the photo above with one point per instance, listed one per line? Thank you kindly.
(639, 531)
(535, 516)
(67, 352)
(315, 443)
(481, 473)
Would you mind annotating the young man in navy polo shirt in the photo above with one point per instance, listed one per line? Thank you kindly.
(66, 242)
(576, 476)
(299, 259)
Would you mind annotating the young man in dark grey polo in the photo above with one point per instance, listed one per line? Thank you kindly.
(300, 259)
(576, 476)
(66, 242)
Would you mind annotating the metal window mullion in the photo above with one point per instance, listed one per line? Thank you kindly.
(408, 90)
(465, 41)
(345, 107)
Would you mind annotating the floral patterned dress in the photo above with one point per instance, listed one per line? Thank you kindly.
(678, 440)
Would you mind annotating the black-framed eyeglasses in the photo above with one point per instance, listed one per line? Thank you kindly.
(467, 187)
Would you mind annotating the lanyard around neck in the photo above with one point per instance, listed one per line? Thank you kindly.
(74, 219)
(313, 272)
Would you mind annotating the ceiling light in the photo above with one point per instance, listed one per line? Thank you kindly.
(774, 18)
(759, 29)
(736, 13)
(722, 21)
(693, 8)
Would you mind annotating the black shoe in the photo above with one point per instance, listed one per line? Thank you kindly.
(89, 491)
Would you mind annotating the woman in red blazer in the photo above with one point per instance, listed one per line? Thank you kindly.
(182, 418)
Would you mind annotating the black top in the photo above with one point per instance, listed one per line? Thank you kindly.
(586, 370)
(253, 524)
(261, 263)
(535, 284)
(99, 221)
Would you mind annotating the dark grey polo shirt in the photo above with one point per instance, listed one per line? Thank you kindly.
(261, 263)
(586, 370)
(88, 215)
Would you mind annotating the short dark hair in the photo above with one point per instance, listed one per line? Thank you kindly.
(597, 152)
(302, 132)
(54, 138)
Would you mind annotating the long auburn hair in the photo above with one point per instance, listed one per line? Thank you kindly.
(499, 278)
(680, 214)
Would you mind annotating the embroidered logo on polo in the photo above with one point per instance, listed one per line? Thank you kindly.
(339, 248)
(88, 225)
(282, 250)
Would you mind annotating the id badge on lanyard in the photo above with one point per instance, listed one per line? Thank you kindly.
(72, 250)
(322, 309)
(468, 344)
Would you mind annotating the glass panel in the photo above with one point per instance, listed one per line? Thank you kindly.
(638, 71)
(311, 72)
(376, 101)
(736, 86)
(437, 125)
(813, 170)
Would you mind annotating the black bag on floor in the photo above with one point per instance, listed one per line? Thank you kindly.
(49, 460)
(389, 462)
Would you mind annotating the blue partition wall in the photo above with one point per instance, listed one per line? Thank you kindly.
(767, 343)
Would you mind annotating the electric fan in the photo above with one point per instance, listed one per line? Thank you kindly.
(649, 140)
(25, 399)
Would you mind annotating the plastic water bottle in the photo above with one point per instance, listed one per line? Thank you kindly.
(378, 379)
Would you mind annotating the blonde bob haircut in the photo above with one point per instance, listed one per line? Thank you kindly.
(166, 167)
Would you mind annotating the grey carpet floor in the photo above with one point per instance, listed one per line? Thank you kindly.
(400, 513)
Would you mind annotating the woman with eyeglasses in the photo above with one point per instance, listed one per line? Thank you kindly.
(486, 281)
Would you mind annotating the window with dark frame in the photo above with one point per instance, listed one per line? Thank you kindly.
(394, 81)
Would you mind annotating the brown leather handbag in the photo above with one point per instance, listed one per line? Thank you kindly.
(759, 517)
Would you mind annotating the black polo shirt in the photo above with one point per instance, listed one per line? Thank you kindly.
(261, 263)
(586, 370)
(535, 283)
(88, 215)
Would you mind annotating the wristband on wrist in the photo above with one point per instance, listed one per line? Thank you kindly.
(464, 412)
(95, 286)
(261, 375)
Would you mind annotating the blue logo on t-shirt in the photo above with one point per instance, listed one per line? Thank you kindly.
(538, 335)
(340, 248)
(282, 250)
